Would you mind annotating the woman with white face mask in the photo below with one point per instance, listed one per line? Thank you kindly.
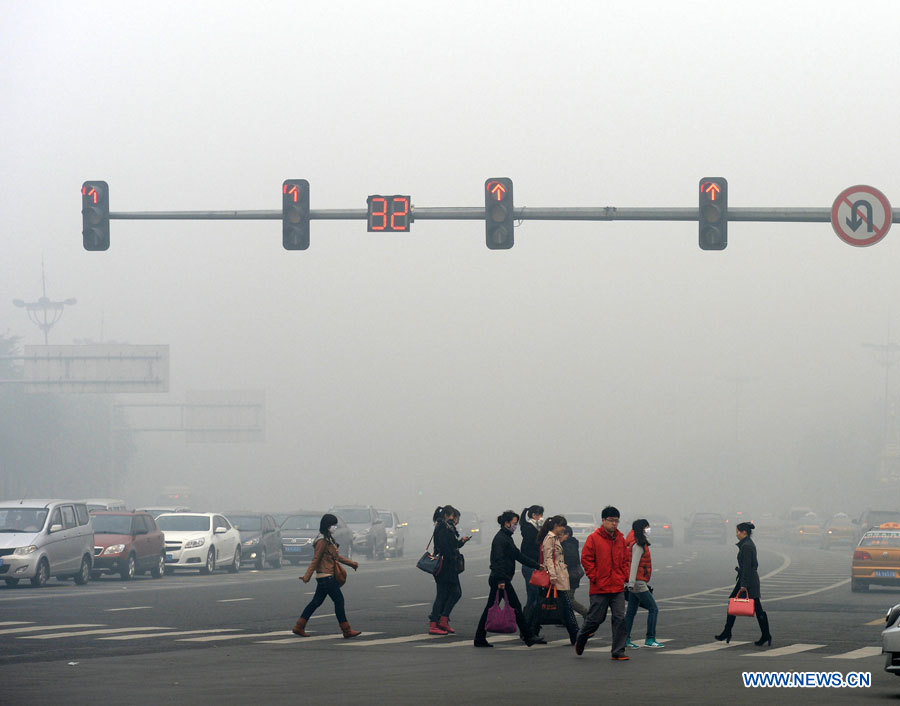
(639, 592)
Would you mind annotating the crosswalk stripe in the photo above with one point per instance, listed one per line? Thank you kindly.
(786, 650)
(564, 641)
(146, 635)
(312, 638)
(870, 651)
(14, 622)
(38, 628)
(464, 643)
(706, 647)
(394, 640)
(880, 621)
(81, 633)
(216, 638)
(413, 605)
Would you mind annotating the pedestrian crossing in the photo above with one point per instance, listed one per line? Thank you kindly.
(20, 630)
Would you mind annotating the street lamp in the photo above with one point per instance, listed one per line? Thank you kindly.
(44, 312)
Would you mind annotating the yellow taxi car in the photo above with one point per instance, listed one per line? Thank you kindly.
(807, 529)
(838, 530)
(876, 560)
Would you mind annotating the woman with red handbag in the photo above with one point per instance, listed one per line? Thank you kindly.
(747, 582)
(554, 561)
(504, 556)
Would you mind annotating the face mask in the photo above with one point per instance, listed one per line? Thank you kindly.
(513, 526)
(332, 529)
(646, 530)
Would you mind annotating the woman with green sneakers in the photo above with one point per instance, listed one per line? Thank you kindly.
(639, 592)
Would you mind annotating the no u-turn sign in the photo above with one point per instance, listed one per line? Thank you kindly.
(861, 215)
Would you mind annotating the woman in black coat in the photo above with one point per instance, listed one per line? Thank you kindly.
(747, 578)
(447, 543)
(504, 556)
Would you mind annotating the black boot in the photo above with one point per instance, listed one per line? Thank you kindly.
(726, 633)
(763, 620)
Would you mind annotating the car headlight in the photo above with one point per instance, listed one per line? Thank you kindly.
(892, 616)
(250, 542)
(191, 543)
(25, 551)
(114, 549)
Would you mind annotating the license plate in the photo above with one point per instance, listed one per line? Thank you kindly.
(886, 574)
(294, 549)
(1, 561)
(169, 557)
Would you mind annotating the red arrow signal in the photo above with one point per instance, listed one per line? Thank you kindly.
(712, 189)
(497, 189)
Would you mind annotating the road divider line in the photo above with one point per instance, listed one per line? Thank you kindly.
(82, 633)
(218, 638)
(233, 600)
(137, 607)
(478, 598)
(390, 585)
(413, 605)
(38, 628)
(16, 622)
(147, 635)
(870, 651)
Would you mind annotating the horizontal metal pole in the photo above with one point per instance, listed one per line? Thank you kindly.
(525, 213)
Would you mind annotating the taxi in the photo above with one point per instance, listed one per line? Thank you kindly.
(807, 529)
(838, 530)
(876, 560)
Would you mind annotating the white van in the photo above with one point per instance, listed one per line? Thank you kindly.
(44, 538)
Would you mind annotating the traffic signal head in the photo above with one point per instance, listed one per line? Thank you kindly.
(95, 215)
(295, 214)
(498, 213)
(713, 213)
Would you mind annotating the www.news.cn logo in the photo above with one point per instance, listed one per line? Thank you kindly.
(807, 679)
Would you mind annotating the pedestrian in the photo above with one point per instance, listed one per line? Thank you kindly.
(447, 543)
(554, 561)
(531, 524)
(504, 556)
(572, 553)
(605, 561)
(639, 591)
(748, 578)
(325, 565)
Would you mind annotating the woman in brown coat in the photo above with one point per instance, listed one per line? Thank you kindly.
(553, 559)
(324, 565)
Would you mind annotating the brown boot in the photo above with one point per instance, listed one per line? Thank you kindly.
(299, 628)
(348, 631)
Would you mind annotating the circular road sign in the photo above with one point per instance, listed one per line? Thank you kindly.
(861, 215)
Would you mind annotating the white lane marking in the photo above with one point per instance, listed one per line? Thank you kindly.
(395, 640)
(233, 600)
(479, 598)
(413, 605)
(310, 593)
(390, 585)
(468, 643)
(300, 640)
(786, 650)
(146, 635)
(137, 607)
(322, 615)
(216, 638)
(871, 651)
(708, 647)
(523, 646)
(880, 621)
(38, 628)
(80, 633)
(16, 622)
(481, 576)
(669, 566)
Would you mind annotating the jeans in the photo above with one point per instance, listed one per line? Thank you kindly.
(327, 586)
(644, 599)
(600, 603)
(524, 628)
(447, 595)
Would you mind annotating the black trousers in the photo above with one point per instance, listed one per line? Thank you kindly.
(447, 595)
(524, 628)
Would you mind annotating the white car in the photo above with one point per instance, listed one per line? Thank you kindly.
(200, 540)
(581, 524)
(890, 641)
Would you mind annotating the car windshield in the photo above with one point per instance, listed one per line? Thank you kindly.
(584, 518)
(183, 523)
(386, 518)
(22, 519)
(302, 522)
(246, 523)
(355, 516)
(112, 524)
(892, 540)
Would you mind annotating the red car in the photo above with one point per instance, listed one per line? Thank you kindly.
(127, 543)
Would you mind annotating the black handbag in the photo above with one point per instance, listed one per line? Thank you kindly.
(430, 563)
(460, 563)
(551, 614)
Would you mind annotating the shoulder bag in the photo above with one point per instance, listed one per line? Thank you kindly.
(501, 617)
(540, 577)
(340, 573)
(430, 563)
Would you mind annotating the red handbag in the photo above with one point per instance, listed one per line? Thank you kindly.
(541, 577)
(741, 606)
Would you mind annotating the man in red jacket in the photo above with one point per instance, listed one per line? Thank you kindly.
(607, 564)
